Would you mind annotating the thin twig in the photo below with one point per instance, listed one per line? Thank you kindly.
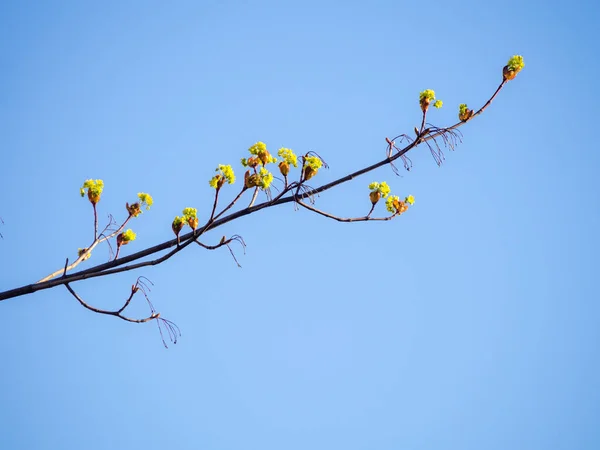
(153, 316)
(345, 219)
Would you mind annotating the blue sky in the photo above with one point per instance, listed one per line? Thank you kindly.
(469, 322)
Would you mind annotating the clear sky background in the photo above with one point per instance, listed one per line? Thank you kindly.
(471, 322)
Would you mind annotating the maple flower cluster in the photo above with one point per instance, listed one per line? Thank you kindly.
(464, 113)
(144, 200)
(426, 97)
(125, 237)
(289, 159)
(189, 217)
(393, 203)
(513, 67)
(94, 190)
(225, 173)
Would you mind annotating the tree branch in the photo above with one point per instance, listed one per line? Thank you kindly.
(120, 265)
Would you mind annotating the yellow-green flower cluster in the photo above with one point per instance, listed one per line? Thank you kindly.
(516, 63)
(396, 206)
(382, 188)
(464, 113)
(426, 97)
(225, 174)
(288, 156)
(378, 190)
(190, 215)
(94, 190)
(179, 221)
(262, 179)
(177, 224)
(145, 200)
(258, 148)
(266, 178)
(513, 67)
(128, 236)
(390, 202)
(261, 156)
(312, 164)
(427, 94)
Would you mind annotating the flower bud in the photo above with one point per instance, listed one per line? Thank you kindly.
(284, 168)
(253, 161)
(177, 225)
(375, 196)
(93, 198)
(309, 172)
(192, 222)
(133, 210)
(263, 156)
(508, 74)
(253, 180)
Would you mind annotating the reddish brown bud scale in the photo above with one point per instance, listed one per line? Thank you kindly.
(134, 209)
(375, 196)
(177, 228)
(309, 172)
(284, 168)
(508, 74)
(193, 222)
(93, 198)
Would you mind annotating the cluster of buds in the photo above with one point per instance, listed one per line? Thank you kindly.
(190, 218)
(259, 176)
(464, 113)
(397, 206)
(178, 224)
(262, 179)
(260, 155)
(513, 67)
(426, 97)
(125, 237)
(378, 190)
(135, 209)
(393, 203)
(289, 159)
(311, 166)
(94, 190)
(225, 173)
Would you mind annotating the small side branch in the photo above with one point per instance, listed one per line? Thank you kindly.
(172, 330)
(345, 219)
(226, 242)
(85, 254)
(117, 313)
